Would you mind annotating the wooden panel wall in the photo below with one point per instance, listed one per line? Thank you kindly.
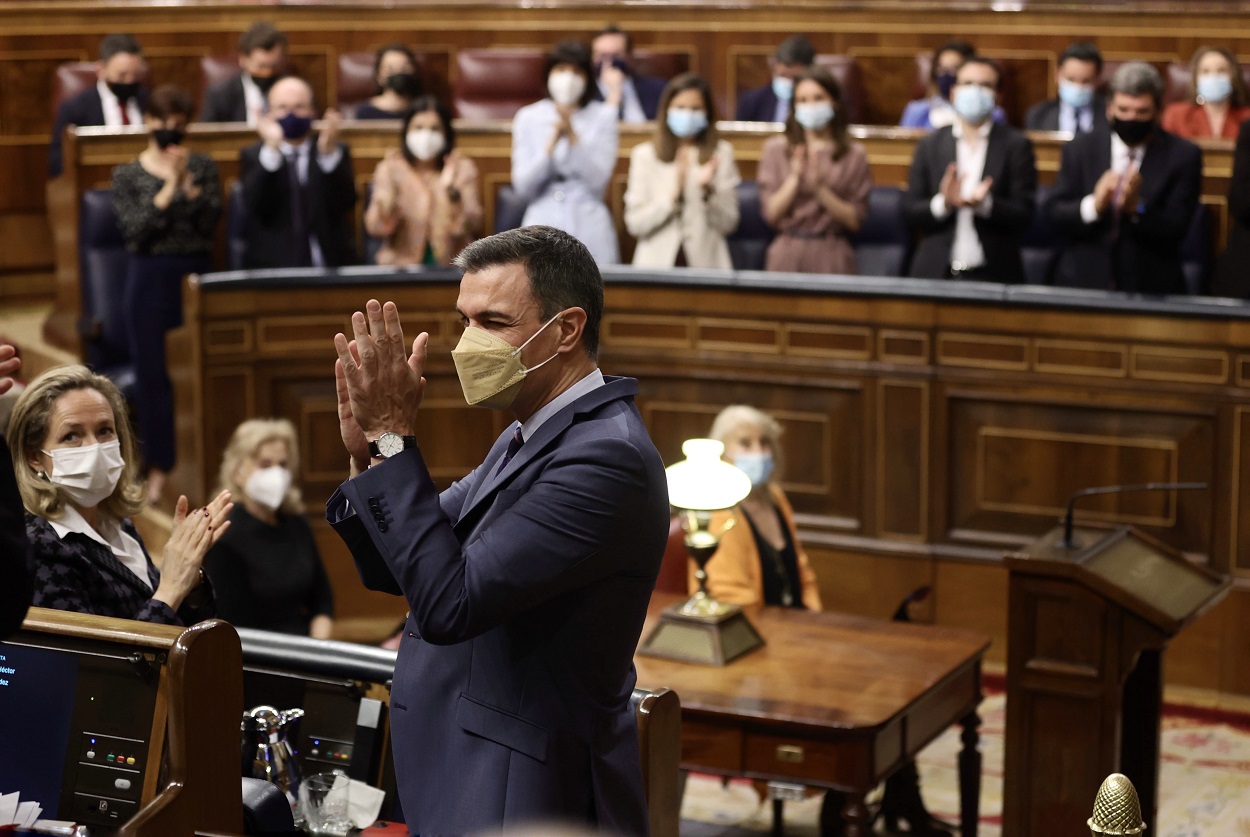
(728, 42)
(922, 438)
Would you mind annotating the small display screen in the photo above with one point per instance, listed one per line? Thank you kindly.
(37, 688)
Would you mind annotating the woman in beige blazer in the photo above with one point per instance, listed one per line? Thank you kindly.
(681, 200)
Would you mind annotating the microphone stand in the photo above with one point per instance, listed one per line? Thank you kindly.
(1118, 489)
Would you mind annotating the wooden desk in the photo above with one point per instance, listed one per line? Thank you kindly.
(831, 700)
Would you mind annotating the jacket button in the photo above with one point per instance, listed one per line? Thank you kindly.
(559, 195)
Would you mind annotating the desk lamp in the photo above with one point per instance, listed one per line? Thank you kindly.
(701, 629)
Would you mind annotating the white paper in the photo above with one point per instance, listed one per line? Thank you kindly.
(8, 808)
(27, 813)
(364, 803)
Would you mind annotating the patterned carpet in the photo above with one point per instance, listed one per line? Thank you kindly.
(1205, 783)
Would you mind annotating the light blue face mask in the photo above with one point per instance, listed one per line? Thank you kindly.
(973, 103)
(783, 88)
(1214, 88)
(814, 115)
(685, 123)
(1075, 95)
(757, 466)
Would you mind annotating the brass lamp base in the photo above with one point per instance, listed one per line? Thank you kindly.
(716, 636)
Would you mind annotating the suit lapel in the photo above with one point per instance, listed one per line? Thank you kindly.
(1153, 166)
(551, 430)
(995, 155)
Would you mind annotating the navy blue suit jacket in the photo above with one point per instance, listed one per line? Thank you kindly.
(83, 110)
(648, 88)
(1144, 254)
(528, 589)
(225, 101)
(758, 105)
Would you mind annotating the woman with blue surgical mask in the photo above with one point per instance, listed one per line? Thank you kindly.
(76, 463)
(267, 571)
(681, 200)
(760, 560)
(814, 183)
(1218, 99)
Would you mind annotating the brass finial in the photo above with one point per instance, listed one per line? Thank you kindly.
(1116, 809)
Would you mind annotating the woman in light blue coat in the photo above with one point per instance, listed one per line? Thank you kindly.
(564, 151)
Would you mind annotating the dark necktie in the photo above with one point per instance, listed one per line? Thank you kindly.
(514, 445)
(301, 252)
(125, 113)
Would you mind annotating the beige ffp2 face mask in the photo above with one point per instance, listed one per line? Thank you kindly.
(490, 368)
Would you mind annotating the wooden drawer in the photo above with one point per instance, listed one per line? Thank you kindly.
(712, 746)
(818, 762)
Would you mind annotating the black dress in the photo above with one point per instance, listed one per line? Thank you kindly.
(779, 568)
(165, 245)
(269, 577)
(369, 111)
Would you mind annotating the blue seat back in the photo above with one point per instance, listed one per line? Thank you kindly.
(509, 208)
(884, 238)
(1196, 254)
(1039, 246)
(236, 228)
(748, 244)
(103, 262)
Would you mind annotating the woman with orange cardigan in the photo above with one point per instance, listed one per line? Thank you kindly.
(760, 560)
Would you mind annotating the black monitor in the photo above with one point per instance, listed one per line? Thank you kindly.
(82, 726)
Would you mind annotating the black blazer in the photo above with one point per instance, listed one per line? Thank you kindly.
(84, 109)
(758, 105)
(1044, 116)
(14, 549)
(267, 198)
(1145, 255)
(1232, 276)
(1009, 160)
(225, 101)
(80, 575)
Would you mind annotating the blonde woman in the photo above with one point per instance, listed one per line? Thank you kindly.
(760, 560)
(681, 200)
(266, 571)
(77, 469)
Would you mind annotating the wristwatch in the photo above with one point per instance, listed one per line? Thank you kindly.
(389, 444)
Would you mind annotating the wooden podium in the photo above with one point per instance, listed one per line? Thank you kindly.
(1087, 629)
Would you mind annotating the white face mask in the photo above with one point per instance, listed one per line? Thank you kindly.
(566, 87)
(87, 474)
(425, 143)
(268, 486)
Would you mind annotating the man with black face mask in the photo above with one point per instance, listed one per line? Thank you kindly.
(115, 101)
(262, 60)
(1126, 194)
(298, 186)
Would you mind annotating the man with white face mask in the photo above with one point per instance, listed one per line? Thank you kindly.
(771, 103)
(528, 580)
(971, 187)
(564, 152)
(1079, 107)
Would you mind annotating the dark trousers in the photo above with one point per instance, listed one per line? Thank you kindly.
(153, 300)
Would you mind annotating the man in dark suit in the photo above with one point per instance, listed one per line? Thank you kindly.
(298, 187)
(1231, 276)
(115, 101)
(528, 580)
(1125, 197)
(262, 61)
(15, 588)
(637, 96)
(771, 103)
(971, 187)
(1080, 108)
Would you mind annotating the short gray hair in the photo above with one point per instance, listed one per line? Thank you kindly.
(1137, 78)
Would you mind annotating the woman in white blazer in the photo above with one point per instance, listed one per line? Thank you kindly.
(681, 200)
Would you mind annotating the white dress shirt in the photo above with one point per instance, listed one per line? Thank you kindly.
(113, 107)
(1075, 121)
(253, 100)
(631, 105)
(109, 534)
(966, 249)
(271, 160)
(1119, 165)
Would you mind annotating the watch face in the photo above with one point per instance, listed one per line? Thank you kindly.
(390, 444)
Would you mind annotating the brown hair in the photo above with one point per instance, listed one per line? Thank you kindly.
(838, 127)
(28, 429)
(665, 141)
(1240, 94)
(169, 100)
(262, 35)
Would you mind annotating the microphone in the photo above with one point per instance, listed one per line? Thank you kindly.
(1118, 489)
